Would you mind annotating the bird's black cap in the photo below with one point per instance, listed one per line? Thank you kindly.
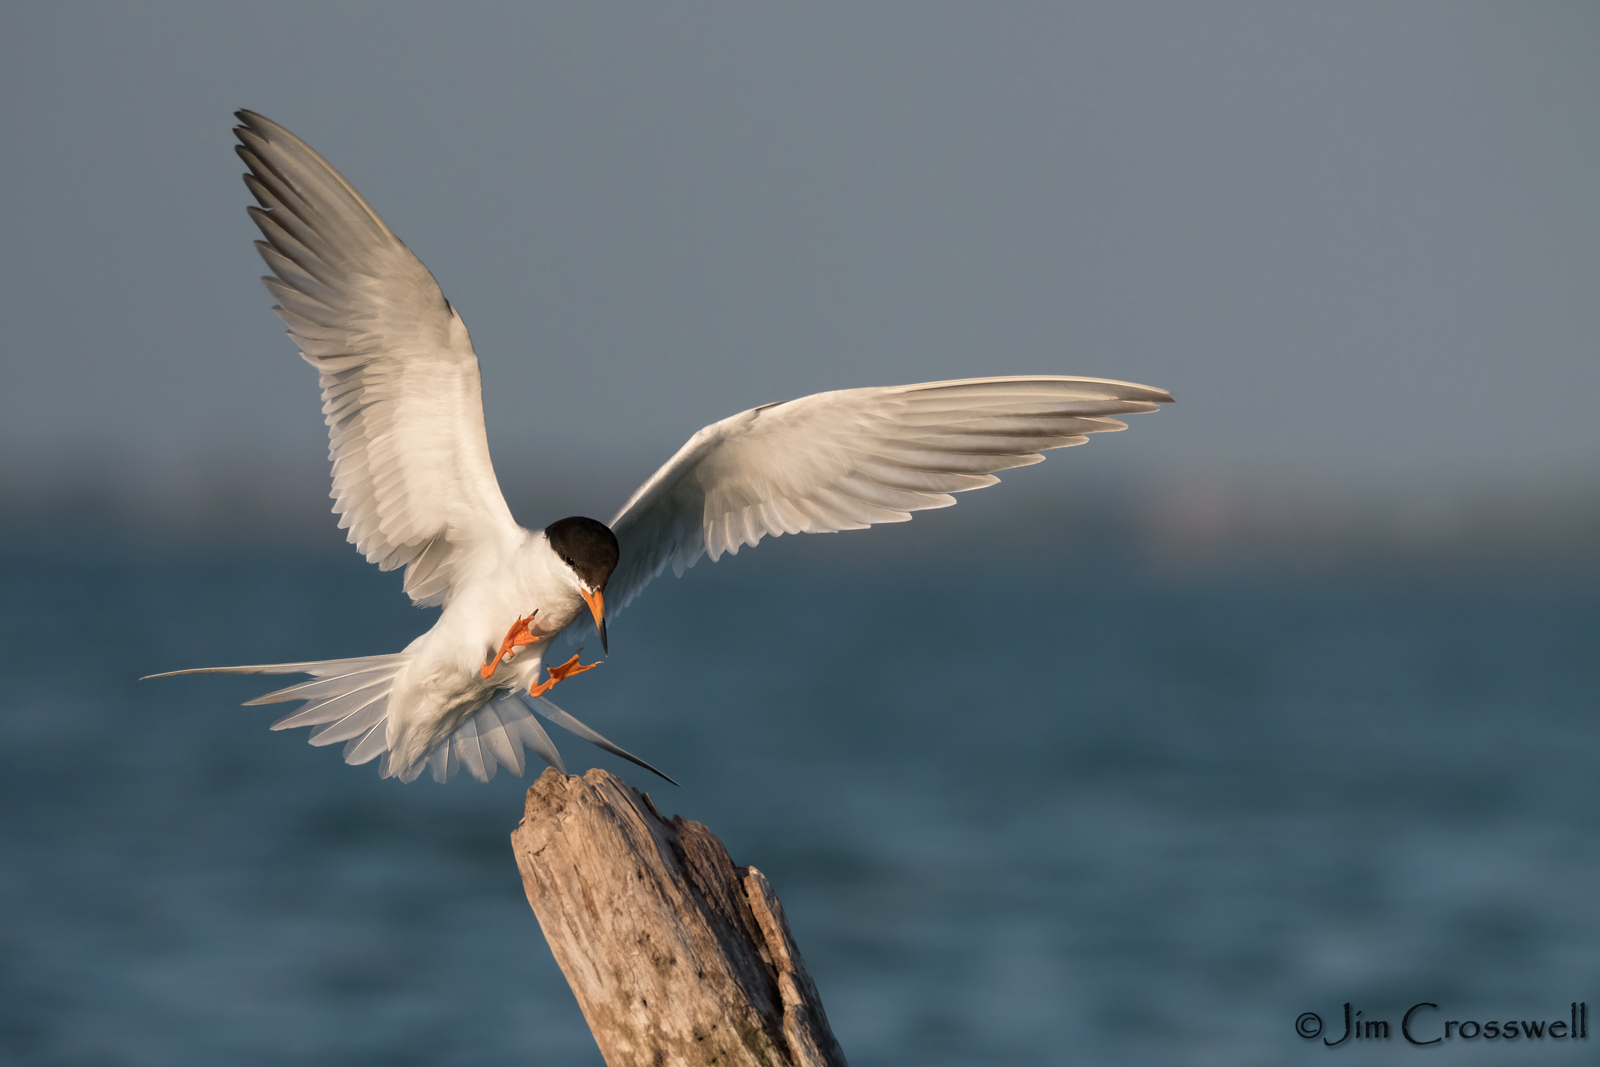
(587, 546)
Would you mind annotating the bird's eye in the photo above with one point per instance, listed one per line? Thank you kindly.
(569, 562)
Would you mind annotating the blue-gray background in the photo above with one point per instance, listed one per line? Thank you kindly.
(1281, 699)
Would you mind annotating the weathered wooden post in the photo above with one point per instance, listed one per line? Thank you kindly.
(676, 956)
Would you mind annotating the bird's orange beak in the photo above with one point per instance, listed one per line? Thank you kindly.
(597, 608)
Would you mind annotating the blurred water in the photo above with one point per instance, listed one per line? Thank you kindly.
(1016, 816)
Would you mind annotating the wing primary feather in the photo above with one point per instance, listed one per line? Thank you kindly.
(850, 459)
(400, 381)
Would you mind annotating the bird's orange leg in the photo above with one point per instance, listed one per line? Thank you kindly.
(516, 637)
(561, 674)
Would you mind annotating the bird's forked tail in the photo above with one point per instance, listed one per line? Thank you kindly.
(348, 700)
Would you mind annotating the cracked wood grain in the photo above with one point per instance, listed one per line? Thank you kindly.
(676, 956)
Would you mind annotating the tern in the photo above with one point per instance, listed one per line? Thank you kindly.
(413, 484)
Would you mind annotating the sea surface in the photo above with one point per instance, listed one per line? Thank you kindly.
(1020, 810)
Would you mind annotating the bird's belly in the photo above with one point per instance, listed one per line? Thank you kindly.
(443, 685)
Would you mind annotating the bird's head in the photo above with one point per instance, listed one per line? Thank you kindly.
(588, 549)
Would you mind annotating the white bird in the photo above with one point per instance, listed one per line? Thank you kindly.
(413, 483)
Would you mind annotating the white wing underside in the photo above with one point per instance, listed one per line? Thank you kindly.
(848, 459)
(412, 480)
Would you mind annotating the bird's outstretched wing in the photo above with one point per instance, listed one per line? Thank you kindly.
(412, 479)
(845, 460)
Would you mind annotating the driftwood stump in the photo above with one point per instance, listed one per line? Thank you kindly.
(676, 956)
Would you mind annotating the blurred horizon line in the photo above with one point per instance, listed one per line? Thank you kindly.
(1193, 526)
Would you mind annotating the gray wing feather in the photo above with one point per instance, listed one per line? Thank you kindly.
(848, 459)
(412, 479)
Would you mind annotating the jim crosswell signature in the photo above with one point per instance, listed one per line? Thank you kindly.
(1422, 1025)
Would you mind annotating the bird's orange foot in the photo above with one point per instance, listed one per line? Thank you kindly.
(561, 674)
(516, 637)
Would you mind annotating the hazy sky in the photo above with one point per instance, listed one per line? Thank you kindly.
(1360, 242)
